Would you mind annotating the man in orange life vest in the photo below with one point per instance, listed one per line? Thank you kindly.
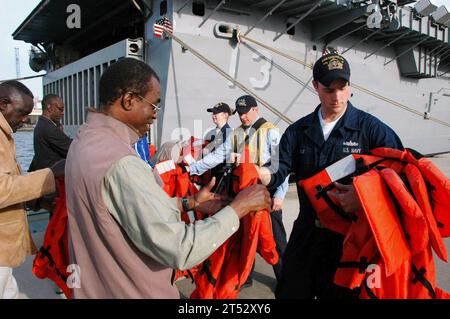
(334, 130)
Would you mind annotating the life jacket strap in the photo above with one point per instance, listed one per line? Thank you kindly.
(369, 292)
(205, 270)
(225, 179)
(45, 252)
(322, 193)
(190, 275)
(361, 168)
(419, 276)
(362, 264)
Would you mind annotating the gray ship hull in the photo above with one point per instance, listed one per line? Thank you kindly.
(191, 86)
(400, 66)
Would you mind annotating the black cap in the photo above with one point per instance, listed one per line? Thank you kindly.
(245, 103)
(219, 108)
(331, 67)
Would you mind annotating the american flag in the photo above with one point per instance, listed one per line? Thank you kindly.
(160, 24)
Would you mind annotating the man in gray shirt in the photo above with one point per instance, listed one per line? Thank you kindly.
(125, 234)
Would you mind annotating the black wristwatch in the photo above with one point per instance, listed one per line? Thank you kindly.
(185, 204)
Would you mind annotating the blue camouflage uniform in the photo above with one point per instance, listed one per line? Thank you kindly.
(312, 254)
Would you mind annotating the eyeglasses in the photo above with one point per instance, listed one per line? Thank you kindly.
(155, 107)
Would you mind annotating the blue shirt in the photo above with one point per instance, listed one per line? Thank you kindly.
(304, 151)
(142, 149)
(219, 136)
(223, 152)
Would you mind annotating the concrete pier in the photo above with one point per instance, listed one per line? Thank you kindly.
(264, 278)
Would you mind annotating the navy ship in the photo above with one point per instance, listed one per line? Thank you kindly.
(216, 50)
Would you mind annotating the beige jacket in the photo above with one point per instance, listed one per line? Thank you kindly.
(15, 189)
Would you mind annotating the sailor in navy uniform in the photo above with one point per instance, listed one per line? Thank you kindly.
(334, 130)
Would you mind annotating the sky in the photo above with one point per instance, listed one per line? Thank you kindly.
(12, 14)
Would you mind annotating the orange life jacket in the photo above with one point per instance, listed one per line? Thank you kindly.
(152, 150)
(376, 235)
(317, 186)
(226, 270)
(194, 147)
(438, 183)
(416, 279)
(175, 181)
(52, 259)
(191, 152)
(395, 231)
(420, 192)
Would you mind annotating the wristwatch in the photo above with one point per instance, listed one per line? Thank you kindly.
(185, 204)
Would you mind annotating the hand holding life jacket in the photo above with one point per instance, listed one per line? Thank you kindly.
(175, 181)
(397, 228)
(227, 269)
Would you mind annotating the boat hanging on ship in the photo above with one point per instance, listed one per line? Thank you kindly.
(398, 50)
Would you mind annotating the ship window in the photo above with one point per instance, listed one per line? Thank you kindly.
(198, 8)
(314, 47)
(163, 8)
(291, 31)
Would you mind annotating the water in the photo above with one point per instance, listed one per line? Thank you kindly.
(24, 148)
(37, 221)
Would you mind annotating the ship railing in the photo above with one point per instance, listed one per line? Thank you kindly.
(77, 83)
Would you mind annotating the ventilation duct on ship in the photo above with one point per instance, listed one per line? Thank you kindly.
(424, 7)
(441, 16)
(37, 60)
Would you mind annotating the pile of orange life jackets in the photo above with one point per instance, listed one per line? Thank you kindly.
(387, 249)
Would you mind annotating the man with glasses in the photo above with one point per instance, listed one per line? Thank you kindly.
(142, 147)
(16, 243)
(262, 137)
(125, 234)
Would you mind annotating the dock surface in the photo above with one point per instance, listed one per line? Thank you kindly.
(264, 279)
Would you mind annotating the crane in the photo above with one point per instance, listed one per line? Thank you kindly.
(17, 63)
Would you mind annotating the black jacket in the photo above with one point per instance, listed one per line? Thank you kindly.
(50, 144)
